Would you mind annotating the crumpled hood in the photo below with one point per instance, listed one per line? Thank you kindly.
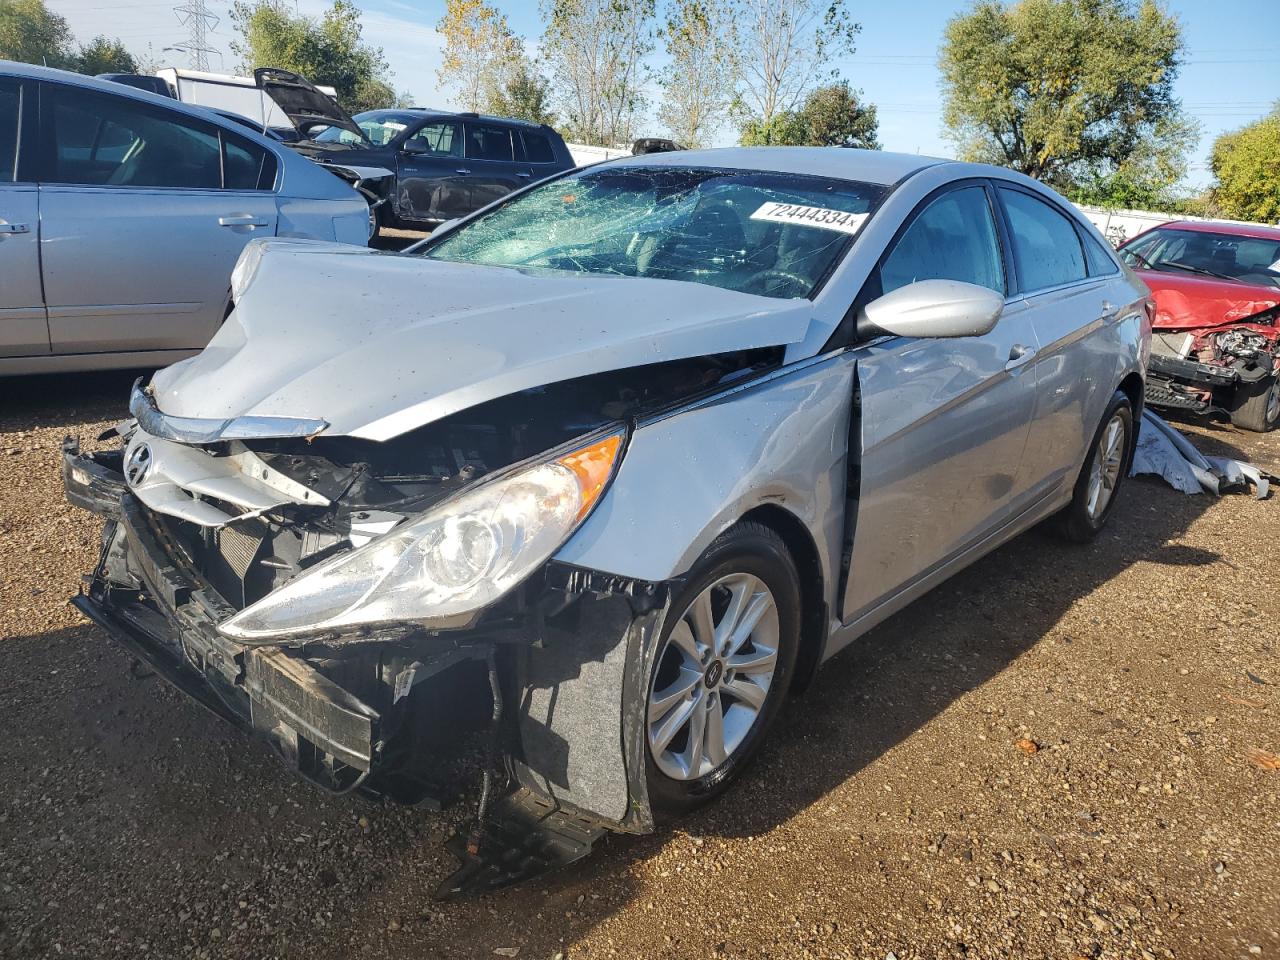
(1190, 302)
(380, 344)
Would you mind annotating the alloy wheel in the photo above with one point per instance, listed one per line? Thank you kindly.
(712, 677)
(1108, 461)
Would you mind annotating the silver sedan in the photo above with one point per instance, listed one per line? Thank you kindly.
(122, 214)
(646, 444)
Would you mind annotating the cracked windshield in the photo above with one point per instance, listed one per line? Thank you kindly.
(770, 234)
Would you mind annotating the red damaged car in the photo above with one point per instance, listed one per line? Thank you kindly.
(1215, 342)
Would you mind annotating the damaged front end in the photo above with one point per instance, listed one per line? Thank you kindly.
(340, 597)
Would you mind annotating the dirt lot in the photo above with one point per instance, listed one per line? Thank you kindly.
(893, 815)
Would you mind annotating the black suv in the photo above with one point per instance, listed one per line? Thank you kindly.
(445, 165)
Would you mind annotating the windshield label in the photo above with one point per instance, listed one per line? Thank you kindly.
(820, 217)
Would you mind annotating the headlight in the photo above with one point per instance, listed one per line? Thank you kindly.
(453, 560)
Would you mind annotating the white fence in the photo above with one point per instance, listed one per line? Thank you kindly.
(1121, 225)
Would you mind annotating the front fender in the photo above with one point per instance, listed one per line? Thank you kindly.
(689, 475)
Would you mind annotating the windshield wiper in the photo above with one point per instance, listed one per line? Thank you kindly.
(1200, 270)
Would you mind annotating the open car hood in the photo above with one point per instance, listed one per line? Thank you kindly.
(305, 106)
(1187, 302)
(378, 344)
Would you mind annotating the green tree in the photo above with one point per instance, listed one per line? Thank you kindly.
(30, 33)
(479, 51)
(785, 49)
(699, 81)
(831, 116)
(595, 51)
(329, 50)
(1246, 164)
(1068, 91)
(523, 95)
(103, 55)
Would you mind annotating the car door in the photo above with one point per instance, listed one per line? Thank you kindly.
(433, 182)
(144, 211)
(535, 156)
(1074, 316)
(24, 331)
(491, 160)
(943, 422)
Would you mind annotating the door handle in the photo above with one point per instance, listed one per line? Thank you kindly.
(14, 228)
(1109, 311)
(525, 175)
(242, 220)
(462, 170)
(1018, 355)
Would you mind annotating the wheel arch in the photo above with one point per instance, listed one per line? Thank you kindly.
(1133, 387)
(804, 552)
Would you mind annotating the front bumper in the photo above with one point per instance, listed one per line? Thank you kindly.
(328, 734)
(340, 714)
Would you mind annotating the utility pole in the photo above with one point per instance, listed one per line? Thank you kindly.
(195, 16)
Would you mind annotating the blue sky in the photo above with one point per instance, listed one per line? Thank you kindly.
(1230, 77)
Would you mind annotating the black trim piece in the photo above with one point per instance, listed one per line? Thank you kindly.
(132, 639)
(525, 836)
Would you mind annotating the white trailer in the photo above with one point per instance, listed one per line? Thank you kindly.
(225, 91)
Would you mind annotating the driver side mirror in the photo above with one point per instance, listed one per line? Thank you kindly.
(932, 308)
(415, 146)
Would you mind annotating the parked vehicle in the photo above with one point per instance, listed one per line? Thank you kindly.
(648, 443)
(446, 165)
(1216, 343)
(122, 214)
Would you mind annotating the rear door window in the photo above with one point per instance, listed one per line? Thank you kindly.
(537, 147)
(485, 142)
(10, 112)
(437, 139)
(100, 140)
(953, 238)
(1046, 247)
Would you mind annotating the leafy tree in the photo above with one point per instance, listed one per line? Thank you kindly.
(329, 50)
(30, 33)
(698, 85)
(785, 49)
(831, 116)
(1068, 91)
(834, 117)
(103, 55)
(1246, 164)
(596, 51)
(524, 95)
(479, 51)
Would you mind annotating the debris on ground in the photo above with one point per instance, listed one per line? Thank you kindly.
(1163, 451)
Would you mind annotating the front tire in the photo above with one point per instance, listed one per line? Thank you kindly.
(1104, 472)
(724, 662)
(1256, 406)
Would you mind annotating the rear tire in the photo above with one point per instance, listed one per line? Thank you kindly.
(1104, 471)
(723, 696)
(1256, 406)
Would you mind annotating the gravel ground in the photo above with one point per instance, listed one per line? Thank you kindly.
(1050, 756)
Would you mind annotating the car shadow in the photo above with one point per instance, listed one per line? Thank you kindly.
(115, 780)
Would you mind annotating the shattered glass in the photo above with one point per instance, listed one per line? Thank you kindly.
(673, 223)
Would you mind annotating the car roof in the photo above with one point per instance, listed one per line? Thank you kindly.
(868, 166)
(112, 88)
(1254, 231)
(420, 112)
